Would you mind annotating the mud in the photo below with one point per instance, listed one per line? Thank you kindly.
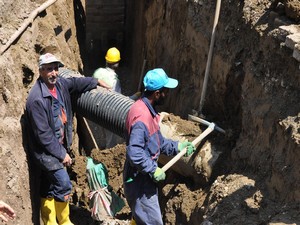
(253, 94)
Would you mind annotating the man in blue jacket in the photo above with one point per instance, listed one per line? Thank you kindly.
(144, 145)
(49, 116)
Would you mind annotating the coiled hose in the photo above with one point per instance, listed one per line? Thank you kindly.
(106, 108)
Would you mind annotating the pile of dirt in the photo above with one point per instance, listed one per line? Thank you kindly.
(229, 199)
(180, 195)
(253, 93)
(113, 159)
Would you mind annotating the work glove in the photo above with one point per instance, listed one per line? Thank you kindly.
(189, 145)
(159, 175)
(135, 96)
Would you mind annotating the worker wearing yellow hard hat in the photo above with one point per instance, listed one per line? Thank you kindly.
(109, 76)
(113, 55)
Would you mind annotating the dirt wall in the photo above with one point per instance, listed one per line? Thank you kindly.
(253, 85)
(253, 91)
(52, 31)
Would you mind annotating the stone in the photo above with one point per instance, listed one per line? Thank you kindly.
(292, 39)
(296, 52)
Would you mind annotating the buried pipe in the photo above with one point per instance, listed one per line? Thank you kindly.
(106, 108)
(109, 110)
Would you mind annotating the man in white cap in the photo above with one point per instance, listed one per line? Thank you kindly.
(144, 145)
(49, 116)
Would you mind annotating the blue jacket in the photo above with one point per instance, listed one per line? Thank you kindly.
(43, 144)
(145, 142)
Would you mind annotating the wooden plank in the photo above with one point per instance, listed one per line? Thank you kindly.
(105, 20)
(106, 17)
(104, 2)
(116, 7)
(105, 24)
(99, 29)
(104, 13)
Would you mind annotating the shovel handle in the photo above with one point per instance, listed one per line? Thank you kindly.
(197, 140)
(142, 75)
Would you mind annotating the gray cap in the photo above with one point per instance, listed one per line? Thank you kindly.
(49, 58)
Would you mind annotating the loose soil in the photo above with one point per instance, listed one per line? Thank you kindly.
(253, 93)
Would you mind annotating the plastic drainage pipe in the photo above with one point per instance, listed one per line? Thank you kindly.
(108, 109)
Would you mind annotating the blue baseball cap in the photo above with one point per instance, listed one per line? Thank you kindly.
(157, 78)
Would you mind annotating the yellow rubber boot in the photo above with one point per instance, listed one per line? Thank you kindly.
(63, 213)
(48, 213)
(132, 222)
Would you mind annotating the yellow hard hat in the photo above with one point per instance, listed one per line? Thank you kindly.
(113, 55)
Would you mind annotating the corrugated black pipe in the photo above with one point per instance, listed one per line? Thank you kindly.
(106, 108)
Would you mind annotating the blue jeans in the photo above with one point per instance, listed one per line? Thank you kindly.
(56, 184)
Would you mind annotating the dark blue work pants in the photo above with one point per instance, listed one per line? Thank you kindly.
(142, 198)
(56, 184)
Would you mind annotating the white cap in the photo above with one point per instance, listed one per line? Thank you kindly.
(49, 58)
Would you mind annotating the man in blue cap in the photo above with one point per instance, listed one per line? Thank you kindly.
(144, 145)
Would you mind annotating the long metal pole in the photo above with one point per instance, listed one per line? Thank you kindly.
(142, 75)
(212, 41)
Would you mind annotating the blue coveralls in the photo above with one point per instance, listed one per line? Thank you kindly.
(144, 145)
(44, 145)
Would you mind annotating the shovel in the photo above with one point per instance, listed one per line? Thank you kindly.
(196, 141)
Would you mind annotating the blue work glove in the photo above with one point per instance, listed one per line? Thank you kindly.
(159, 175)
(189, 145)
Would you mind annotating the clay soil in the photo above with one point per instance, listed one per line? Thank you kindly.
(253, 95)
(233, 198)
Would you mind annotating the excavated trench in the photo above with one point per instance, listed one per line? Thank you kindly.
(246, 176)
(185, 192)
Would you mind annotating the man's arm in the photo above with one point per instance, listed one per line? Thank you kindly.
(136, 152)
(101, 83)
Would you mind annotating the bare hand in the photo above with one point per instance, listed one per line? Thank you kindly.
(6, 212)
(103, 84)
(67, 160)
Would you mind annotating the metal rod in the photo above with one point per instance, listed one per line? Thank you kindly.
(204, 87)
(142, 75)
(199, 120)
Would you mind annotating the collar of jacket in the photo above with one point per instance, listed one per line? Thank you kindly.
(44, 88)
(150, 107)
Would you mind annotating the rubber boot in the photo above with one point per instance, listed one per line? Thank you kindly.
(132, 222)
(63, 213)
(48, 213)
